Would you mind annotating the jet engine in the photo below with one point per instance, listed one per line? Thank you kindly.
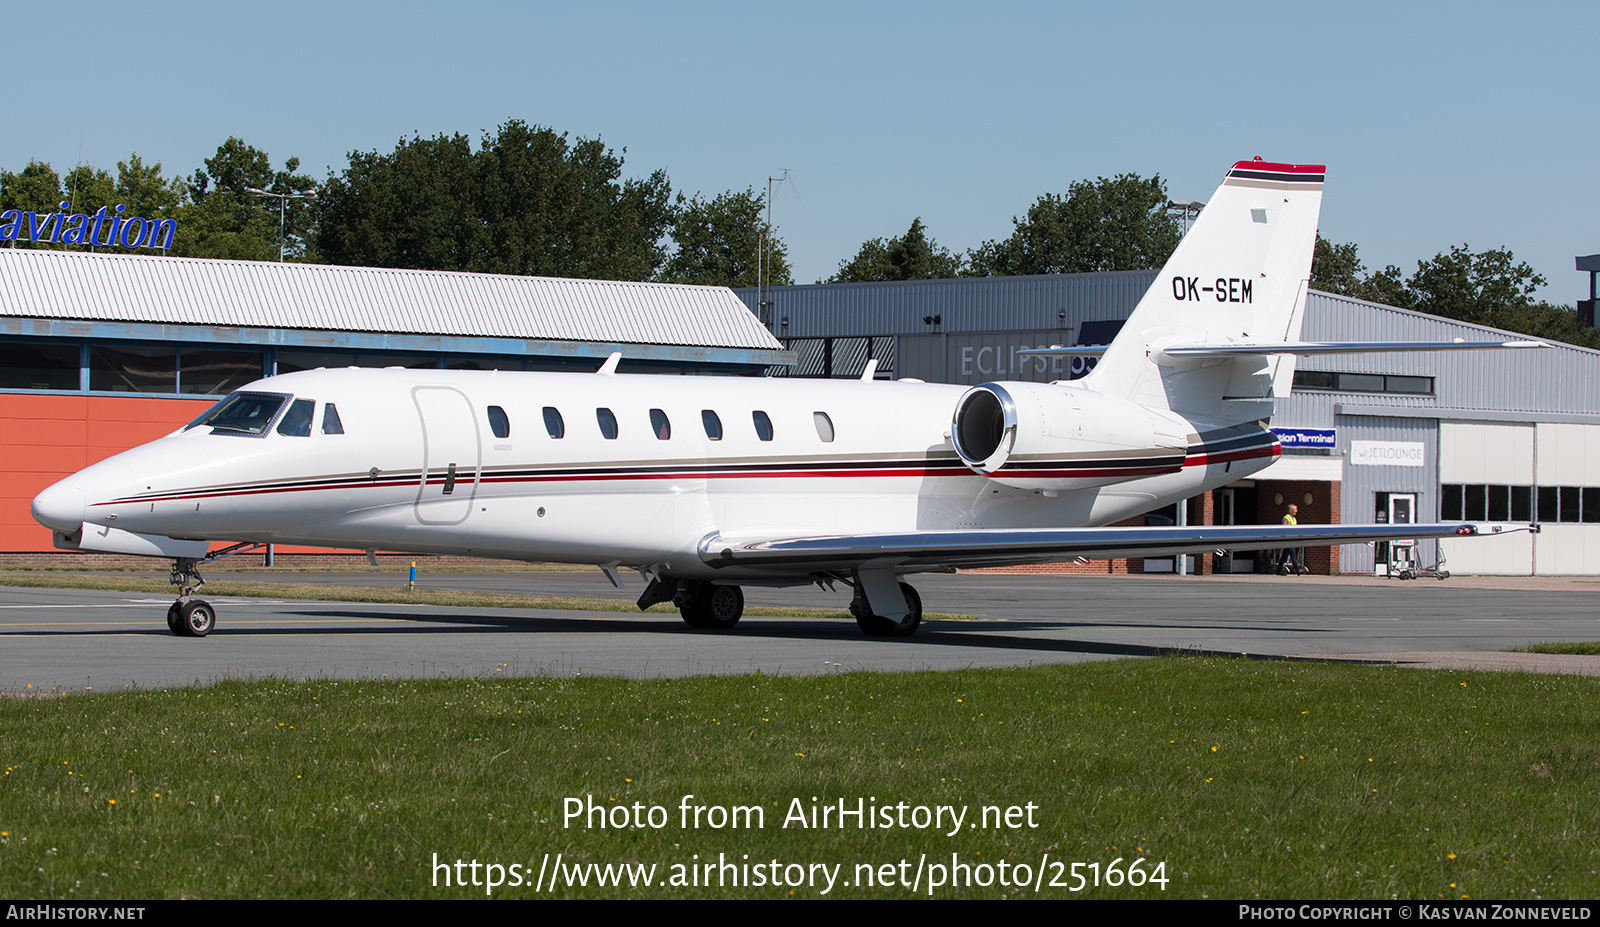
(1047, 437)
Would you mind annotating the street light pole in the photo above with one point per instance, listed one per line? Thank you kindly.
(283, 207)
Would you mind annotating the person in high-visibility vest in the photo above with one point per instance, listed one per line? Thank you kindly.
(1291, 559)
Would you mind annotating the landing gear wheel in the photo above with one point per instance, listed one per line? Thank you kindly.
(196, 618)
(172, 619)
(877, 626)
(713, 606)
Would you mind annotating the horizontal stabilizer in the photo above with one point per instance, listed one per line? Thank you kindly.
(1007, 547)
(1312, 348)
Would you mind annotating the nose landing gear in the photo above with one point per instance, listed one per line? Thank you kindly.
(189, 617)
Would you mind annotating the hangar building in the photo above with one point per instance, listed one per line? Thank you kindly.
(100, 353)
(1496, 437)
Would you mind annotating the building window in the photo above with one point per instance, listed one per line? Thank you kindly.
(26, 365)
(1362, 382)
(211, 372)
(133, 369)
(1500, 502)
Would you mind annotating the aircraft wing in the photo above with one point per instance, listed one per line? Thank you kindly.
(1012, 547)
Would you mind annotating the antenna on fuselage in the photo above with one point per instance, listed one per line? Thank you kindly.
(609, 368)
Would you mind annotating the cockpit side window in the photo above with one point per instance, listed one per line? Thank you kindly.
(249, 414)
(296, 422)
(331, 425)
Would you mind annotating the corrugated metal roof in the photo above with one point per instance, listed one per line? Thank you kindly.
(200, 291)
(964, 304)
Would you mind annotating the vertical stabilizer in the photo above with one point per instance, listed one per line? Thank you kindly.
(1238, 276)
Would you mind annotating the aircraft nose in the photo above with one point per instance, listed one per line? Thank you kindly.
(60, 507)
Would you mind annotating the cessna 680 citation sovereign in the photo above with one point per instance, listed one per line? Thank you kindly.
(702, 484)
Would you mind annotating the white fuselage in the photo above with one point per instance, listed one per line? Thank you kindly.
(420, 468)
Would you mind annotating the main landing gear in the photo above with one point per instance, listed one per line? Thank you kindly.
(702, 604)
(718, 607)
(878, 626)
(708, 605)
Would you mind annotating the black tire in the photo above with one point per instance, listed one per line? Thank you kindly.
(878, 626)
(172, 620)
(196, 618)
(713, 607)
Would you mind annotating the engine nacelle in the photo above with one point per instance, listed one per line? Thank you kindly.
(1041, 436)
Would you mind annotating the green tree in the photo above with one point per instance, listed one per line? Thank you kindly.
(1336, 268)
(912, 256)
(1473, 287)
(414, 208)
(88, 188)
(527, 202)
(36, 189)
(719, 243)
(222, 219)
(1100, 225)
(145, 190)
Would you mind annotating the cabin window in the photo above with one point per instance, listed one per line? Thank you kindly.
(499, 422)
(241, 414)
(713, 425)
(296, 423)
(763, 425)
(659, 425)
(330, 421)
(608, 423)
(824, 426)
(553, 422)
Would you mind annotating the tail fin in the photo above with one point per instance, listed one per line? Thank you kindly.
(1238, 276)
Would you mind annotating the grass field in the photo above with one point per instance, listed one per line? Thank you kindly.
(1226, 778)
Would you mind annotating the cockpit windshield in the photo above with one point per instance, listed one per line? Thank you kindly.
(242, 414)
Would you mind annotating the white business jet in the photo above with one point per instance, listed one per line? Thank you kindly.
(704, 484)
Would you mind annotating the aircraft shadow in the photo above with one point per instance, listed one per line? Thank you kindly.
(1000, 638)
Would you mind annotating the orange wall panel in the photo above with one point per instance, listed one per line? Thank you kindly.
(42, 432)
(44, 439)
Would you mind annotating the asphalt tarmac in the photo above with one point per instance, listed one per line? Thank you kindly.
(74, 640)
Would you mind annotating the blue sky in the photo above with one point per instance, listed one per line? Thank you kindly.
(1440, 123)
